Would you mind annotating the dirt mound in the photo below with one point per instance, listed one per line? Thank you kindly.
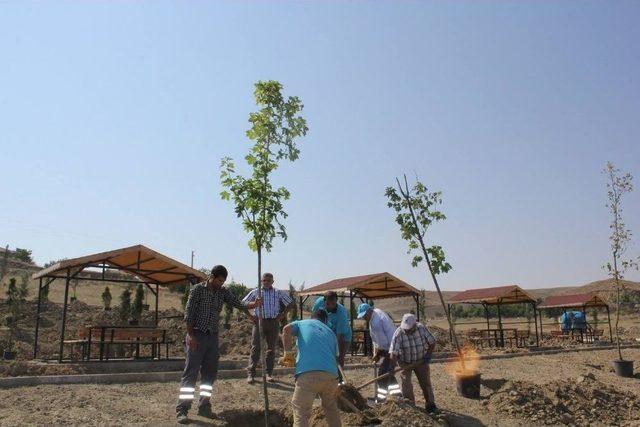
(583, 401)
(252, 417)
(392, 413)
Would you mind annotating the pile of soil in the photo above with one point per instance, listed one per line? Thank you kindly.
(583, 402)
(392, 413)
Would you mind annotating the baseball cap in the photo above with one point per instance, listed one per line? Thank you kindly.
(408, 320)
(362, 310)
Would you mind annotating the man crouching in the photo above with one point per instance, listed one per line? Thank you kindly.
(316, 367)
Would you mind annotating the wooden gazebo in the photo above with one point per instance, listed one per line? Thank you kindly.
(576, 301)
(145, 266)
(497, 296)
(366, 288)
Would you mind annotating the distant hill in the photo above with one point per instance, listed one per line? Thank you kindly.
(605, 288)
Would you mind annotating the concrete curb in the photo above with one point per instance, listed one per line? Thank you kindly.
(142, 377)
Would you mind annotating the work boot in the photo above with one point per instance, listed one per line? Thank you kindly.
(432, 408)
(181, 418)
(251, 378)
(270, 378)
(205, 411)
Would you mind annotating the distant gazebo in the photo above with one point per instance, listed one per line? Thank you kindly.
(498, 297)
(580, 302)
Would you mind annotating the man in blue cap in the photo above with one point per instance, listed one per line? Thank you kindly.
(337, 320)
(381, 329)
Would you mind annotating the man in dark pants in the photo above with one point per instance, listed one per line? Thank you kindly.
(272, 299)
(201, 343)
(381, 330)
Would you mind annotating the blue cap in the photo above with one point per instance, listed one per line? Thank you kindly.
(362, 310)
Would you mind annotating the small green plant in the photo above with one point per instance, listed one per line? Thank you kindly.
(293, 313)
(185, 296)
(106, 298)
(138, 301)
(16, 297)
(124, 310)
(74, 287)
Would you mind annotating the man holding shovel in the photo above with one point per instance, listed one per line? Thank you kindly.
(412, 346)
(381, 329)
(201, 315)
(316, 368)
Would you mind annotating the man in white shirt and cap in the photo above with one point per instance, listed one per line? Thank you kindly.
(381, 329)
(412, 342)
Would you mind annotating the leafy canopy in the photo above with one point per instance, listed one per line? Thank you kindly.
(423, 206)
(274, 129)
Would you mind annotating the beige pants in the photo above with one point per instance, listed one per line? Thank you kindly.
(308, 385)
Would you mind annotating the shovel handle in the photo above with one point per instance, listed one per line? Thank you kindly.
(413, 365)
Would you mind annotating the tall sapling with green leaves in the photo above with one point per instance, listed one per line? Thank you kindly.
(417, 209)
(617, 186)
(275, 127)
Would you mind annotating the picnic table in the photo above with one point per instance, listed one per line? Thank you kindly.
(105, 336)
(498, 337)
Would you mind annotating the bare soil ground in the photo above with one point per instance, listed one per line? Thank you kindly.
(574, 388)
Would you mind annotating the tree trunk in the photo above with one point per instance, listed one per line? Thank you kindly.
(262, 346)
(617, 280)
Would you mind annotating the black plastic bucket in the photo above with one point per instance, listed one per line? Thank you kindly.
(623, 368)
(468, 384)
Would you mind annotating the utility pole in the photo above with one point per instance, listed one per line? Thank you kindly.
(192, 255)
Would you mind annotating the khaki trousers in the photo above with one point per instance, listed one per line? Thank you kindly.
(308, 385)
(424, 379)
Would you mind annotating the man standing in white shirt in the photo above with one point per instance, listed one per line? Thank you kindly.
(275, 303)
(381, 329)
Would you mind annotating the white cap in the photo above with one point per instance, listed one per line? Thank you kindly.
(408, 321)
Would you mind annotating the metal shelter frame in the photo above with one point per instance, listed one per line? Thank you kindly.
(579, 301)
(496, 296)
(366, 288)
(144, 269)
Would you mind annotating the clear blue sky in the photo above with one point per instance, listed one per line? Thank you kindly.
(114, 117)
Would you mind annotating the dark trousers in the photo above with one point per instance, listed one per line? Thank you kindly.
(270, 332)
(424, 379)
(385, 365)
(203, 360)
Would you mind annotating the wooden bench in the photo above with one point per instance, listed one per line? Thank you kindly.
(138, 336)
(105, 337)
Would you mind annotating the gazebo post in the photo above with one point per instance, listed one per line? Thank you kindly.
(486, 314)
(535, 319)
(609, 321)
(157, 298)
(35, 335)
(351, 308)
(500, 325)
(64, 314)
(582, 330)
(417, 298)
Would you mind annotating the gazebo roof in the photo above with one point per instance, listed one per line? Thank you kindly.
(575, 300)
(510, 294)
(147, 265)
(370, 286)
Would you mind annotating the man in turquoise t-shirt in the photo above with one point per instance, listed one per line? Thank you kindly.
(337, 320)
(316, 368)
